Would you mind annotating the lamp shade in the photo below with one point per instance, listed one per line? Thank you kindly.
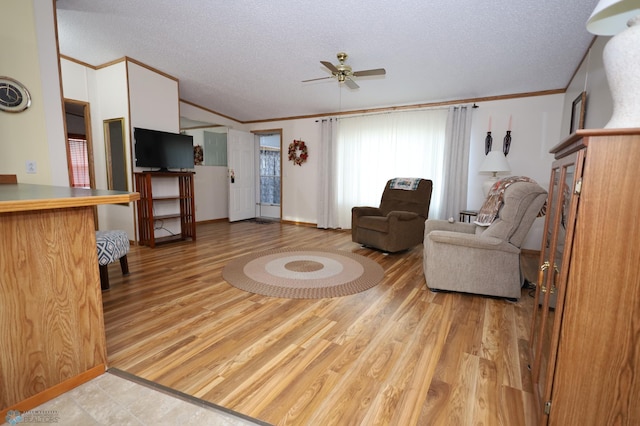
(495, 162)
(611, 16)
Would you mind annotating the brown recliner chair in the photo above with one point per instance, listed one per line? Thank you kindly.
(398, 224)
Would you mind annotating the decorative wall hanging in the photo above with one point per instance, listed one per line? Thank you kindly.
(488, 141)
(293, 152)
(506, 143)
(198, 155)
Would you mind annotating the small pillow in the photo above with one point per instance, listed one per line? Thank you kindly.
(408, 184)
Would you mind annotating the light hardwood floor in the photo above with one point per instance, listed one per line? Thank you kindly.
(396, 354)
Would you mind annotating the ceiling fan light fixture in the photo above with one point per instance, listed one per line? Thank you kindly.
(344, 73)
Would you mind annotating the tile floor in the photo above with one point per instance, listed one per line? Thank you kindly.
(117, 398)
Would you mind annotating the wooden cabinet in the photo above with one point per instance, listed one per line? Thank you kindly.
(585, 332)
(51, 326)
(178, 203)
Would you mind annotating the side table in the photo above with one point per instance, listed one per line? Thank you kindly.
(466, 215)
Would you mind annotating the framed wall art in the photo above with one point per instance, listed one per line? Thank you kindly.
(577, 112)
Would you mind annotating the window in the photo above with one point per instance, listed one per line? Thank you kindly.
(269, 175)
(79, 163)
(372, 149)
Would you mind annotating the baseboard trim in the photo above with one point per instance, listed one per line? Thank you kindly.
(222, 219)
(294, 222)
(55, 391)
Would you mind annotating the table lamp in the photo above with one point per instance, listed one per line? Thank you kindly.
(495, 162)
(621, 57)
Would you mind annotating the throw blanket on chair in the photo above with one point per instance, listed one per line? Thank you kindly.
(408, 184)
(489, 210)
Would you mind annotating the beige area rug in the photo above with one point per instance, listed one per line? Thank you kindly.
(303, 273)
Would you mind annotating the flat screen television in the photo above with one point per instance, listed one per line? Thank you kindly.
(163, 150)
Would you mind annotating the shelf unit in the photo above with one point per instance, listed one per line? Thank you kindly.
(585, 332)
(146, 206)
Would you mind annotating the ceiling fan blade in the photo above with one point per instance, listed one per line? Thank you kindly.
(329, 65)
(365, 73)
(351, 84)
(316, 79)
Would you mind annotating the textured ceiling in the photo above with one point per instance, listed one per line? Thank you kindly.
(246, 59)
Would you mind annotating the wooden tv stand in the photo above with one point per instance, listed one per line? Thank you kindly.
(147, 216)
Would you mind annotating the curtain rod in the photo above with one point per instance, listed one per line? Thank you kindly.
(399, 111)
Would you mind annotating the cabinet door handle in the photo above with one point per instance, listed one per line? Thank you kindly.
(543, 268)
(578, 187)
(546, 265)
(555, 278)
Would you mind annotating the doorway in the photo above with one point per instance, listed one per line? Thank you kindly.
(269, 175)
(79, 144)
(77, 123)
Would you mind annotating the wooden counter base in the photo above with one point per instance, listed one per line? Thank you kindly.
(52, 334)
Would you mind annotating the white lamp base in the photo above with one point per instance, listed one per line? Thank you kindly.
(487, 184)
(621, 59)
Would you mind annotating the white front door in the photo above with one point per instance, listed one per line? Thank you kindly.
(241, 161)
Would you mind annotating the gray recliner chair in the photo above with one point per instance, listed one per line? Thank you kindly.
(469, 258)
(398, 224)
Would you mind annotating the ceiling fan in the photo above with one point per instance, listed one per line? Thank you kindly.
(344, 74)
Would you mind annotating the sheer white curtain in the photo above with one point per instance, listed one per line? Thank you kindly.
(369, 150)
(327, 213)
(456, 161)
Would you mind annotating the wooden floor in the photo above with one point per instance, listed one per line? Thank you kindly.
(396, 354)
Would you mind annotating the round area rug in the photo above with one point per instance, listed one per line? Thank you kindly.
(303, 273)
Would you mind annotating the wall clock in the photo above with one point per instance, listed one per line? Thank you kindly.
(14, 96)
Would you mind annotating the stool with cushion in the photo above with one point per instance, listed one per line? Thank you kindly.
(112, 246)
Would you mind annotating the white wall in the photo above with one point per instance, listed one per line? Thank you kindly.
(299, 183)
(591, 78)
(153, 100)
(210, 183)
(30, 56)
(538, 123)
(203, 115)
(110, 96)
(143, 98)
(51, 91)
(37, 134)
(106, 91)
(153, 104)
(535, 129)
(75, 80)
(212, 193)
